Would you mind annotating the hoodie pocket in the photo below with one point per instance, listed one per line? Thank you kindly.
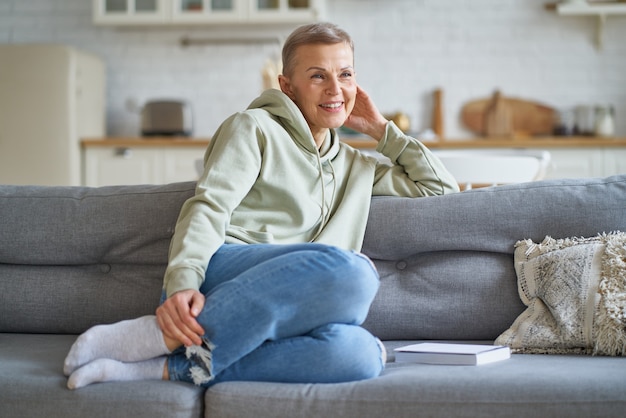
(249, 237)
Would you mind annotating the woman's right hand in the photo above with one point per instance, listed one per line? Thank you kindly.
(177, 317)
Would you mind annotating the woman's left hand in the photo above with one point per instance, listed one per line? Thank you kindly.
(365, 116)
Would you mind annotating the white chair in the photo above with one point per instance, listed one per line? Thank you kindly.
(199, 165)
(490, 167)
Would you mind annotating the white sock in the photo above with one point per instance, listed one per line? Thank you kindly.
(129, 341)
(107, 370)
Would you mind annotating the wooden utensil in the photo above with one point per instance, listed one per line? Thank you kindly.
(438, 124)
(491, 116)
(498, 117)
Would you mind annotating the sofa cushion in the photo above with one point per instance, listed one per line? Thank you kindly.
(82, 226)
(524, 386)
(446, 262)
(72, 257)
(33, 385)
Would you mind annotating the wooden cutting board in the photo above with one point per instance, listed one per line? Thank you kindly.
(499, 116)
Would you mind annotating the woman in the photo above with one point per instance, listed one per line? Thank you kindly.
(264, 280)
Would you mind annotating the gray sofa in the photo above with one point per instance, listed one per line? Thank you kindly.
(74, 257)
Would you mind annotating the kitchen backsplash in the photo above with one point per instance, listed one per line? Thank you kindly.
(405, 49)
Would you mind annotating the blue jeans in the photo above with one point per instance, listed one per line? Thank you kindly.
(283, 313)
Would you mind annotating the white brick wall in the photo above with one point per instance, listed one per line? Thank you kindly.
(404, 50)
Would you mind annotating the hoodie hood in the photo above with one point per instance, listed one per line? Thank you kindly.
(279, 105)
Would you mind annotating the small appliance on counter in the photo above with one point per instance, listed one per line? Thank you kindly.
(166, 118)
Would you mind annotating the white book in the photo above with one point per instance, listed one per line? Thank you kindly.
(455, 354)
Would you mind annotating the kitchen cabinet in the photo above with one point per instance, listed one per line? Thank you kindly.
(599, 162)
(614, 161)
(573, 163)
(177, 12)
(582, 161)
(571, 157)
(208, 11)
(112, 162)
(285, 11)
(121, 12)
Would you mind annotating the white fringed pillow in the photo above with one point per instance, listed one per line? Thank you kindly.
(575, 293)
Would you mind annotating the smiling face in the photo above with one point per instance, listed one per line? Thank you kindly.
(322, 84)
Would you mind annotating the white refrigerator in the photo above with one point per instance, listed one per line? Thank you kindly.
(51, 96)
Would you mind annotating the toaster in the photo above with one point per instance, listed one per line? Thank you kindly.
(166, 118)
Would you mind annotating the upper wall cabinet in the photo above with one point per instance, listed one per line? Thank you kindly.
(285, 10)
(208, 11)
(121, 12)
(176, 12)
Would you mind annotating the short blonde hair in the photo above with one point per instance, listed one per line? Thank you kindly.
(315, 33)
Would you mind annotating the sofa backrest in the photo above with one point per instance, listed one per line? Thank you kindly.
(446, 262)
(72, 257)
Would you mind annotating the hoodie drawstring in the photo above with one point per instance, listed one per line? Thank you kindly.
(332, 197)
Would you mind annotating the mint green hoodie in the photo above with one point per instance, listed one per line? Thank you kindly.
(266, 182)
